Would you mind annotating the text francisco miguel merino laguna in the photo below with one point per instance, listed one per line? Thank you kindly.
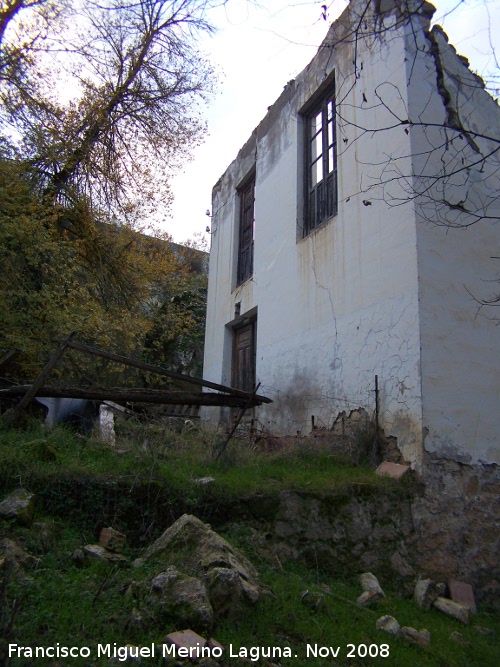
(125, 652)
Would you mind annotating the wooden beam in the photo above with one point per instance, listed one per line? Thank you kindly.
(161, 371)
(242, 411)
(11, 416)
(126, 395)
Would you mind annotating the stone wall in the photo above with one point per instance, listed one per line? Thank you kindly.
(456, 523)
(444, 528)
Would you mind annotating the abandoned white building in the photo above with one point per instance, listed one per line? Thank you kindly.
(354, 237)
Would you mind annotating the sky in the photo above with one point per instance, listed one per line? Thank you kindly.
(258, 47)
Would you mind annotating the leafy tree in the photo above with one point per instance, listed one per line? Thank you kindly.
(79, 177)
(134, 72)
(110, 285)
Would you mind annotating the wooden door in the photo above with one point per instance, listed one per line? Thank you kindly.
(244, 357)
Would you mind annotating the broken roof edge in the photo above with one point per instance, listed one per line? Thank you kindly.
(339, 31)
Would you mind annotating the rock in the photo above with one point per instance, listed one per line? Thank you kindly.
(12, 551)
(394, 470)
(412, 636)
(229, 592)
(112, 540)
(213, 643)
(388, 624)
(107, 425)
(14, 559)
(486, 632)
(103, 554)
(19, 505)
(78, 557)
(131, 589)
(368, 598)
(441, 590)
(462, 593)
(425, 593)
(459, 638)
(195, 549)
(369, 583)
(185, 639)
(453, 609)
(313, 600)
(179, 598)
(44, 535)
(401, 566)
(135, 620)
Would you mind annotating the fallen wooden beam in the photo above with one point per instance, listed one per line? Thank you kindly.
(161, 371)
(126, 395)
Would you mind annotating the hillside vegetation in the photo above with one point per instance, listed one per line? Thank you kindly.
(141, 486)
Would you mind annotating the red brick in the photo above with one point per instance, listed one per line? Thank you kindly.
(185, 638)
(395, 470)
(462, 593)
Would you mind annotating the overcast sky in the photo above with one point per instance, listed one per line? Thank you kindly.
(258, 47)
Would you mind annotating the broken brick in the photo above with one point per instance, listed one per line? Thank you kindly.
(394, 470)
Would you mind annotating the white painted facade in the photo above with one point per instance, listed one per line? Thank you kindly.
(383, 288)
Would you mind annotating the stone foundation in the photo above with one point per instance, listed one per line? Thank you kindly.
(456, 520)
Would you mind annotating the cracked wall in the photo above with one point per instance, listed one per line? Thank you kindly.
(363, 294)
(455, 141)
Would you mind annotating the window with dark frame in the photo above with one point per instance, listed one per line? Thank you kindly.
(321, 163)
(246, 231)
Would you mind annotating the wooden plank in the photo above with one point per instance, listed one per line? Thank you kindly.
(124, 394)
(243, 409)
(161, 371)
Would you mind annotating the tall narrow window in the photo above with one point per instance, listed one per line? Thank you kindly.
(321, 163)
(246, 231)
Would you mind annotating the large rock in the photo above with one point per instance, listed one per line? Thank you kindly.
(369, 584)
(112, 540)
(19, 505)
(178, 598)
(14, 559)
(426, 593)
(195, 549)
(388, 624)
(228, 590)
(412, 636)
(453, 609)
(96, 551)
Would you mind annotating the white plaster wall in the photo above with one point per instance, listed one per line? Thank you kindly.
(340, 306)
(460, 359)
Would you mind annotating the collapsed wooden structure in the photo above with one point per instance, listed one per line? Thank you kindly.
(220, 395)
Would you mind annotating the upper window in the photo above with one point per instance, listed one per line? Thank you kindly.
(246, 231)
(321, 163)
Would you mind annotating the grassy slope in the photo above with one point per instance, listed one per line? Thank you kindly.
(83, 606)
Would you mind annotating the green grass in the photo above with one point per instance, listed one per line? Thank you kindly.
(79, 480)
(86, 606)
(178, 459)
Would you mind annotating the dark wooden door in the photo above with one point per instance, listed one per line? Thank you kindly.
(244, 357)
